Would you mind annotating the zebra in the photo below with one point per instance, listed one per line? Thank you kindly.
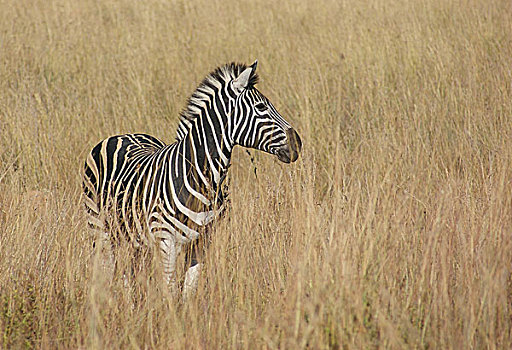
(139, 188)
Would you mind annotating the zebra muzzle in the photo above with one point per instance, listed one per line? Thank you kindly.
(290, 152)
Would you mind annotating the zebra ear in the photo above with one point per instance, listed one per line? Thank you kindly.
(242, 81)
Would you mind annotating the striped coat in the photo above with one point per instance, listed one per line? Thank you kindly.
(148, 192)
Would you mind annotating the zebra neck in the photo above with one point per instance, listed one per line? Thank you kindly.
(209, 151)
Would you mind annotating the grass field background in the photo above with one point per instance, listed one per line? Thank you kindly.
(393, 230)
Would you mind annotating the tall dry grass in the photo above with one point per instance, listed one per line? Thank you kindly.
(393, 230)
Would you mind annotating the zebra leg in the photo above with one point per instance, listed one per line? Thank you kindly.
(169, 250)
(102, 244)
(193, 272)
(108, 261)
(191, 279)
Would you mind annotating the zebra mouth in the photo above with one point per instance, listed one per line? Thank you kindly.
(290, 152)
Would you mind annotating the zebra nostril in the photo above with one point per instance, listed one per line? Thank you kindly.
(298, 142)
(294, 142)
(289, 152)
(284, 155)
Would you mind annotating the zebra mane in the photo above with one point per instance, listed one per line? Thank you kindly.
(221, 75)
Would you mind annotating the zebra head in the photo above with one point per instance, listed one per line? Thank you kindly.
(256, 122)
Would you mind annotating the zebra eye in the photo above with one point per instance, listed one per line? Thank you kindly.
(261, 107)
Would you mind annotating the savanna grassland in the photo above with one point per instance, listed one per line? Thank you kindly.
(393, 230)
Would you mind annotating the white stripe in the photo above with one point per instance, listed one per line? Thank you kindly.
(201, 218)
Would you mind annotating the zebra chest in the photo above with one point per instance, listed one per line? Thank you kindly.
(166, 200)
